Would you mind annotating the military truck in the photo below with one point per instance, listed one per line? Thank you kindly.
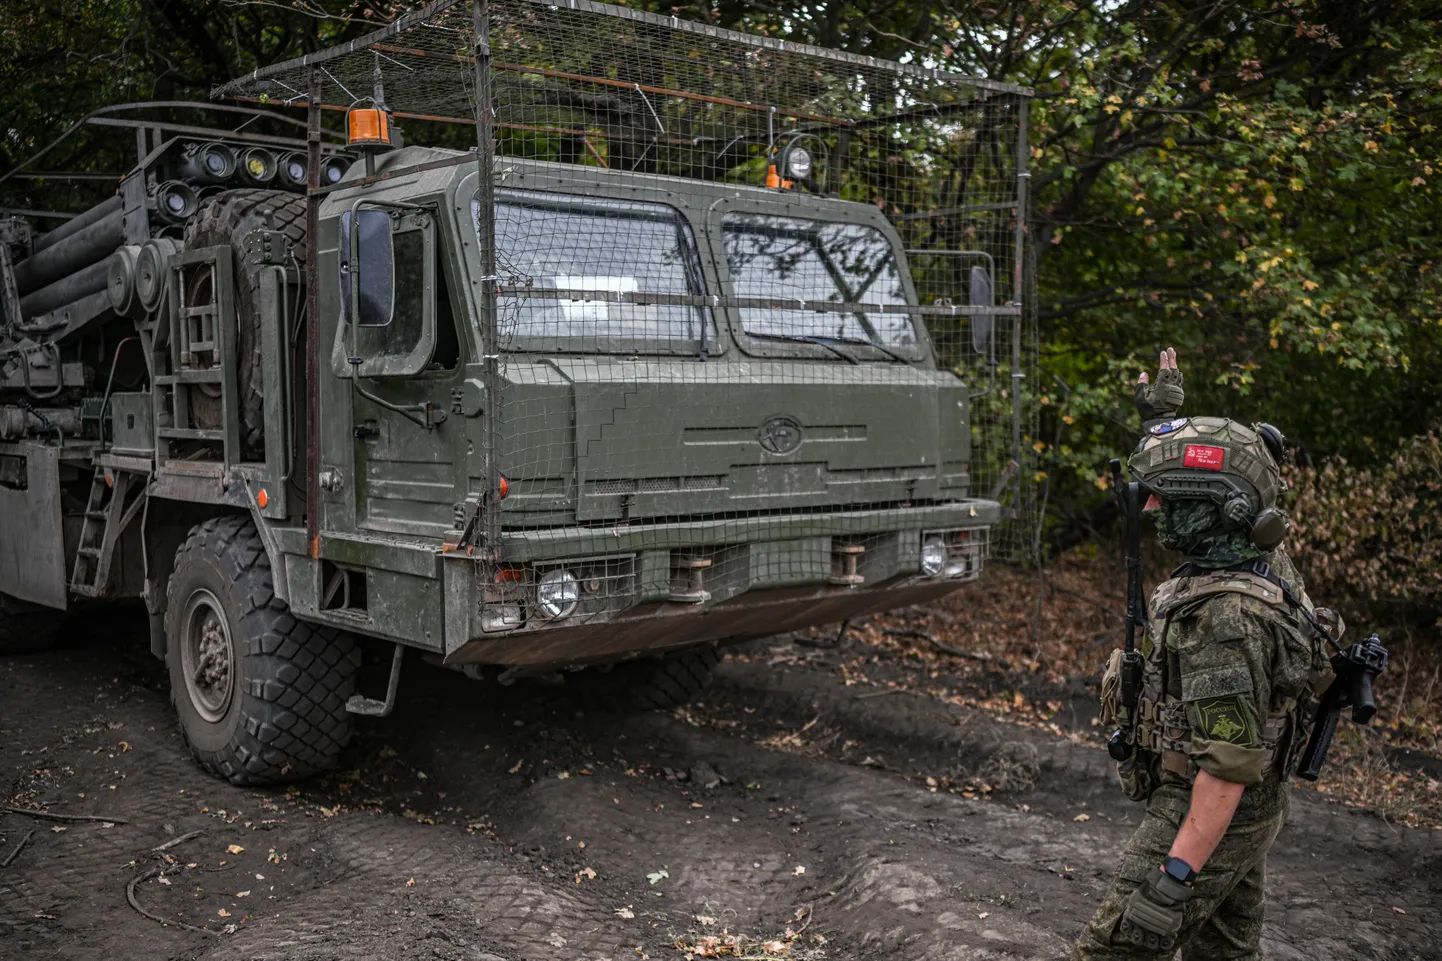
(567, 402)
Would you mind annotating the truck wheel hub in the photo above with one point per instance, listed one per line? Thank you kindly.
(206, 656)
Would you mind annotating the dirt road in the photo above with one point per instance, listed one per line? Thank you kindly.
(486, 823)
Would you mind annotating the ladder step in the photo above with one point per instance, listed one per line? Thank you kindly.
(97, 515)
(89, 551)
(209, 375)
(190, 433)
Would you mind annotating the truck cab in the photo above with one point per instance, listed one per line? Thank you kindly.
(676, 470)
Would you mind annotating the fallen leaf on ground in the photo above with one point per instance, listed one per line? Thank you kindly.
(705, 919)
(799, 870)
(625, 912)
(776, 947)
(983, 915)
(588, 873)
(234, 849)
(242, 894)
(1082, 817)
(517, 766)
(223, 913)
(411, 883)
(655, 876)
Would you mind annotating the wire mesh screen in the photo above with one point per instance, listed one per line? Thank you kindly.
(746, 316)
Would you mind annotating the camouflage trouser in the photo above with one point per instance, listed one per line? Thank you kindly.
(1223, 921)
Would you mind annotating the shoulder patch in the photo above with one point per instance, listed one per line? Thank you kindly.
(1228, 719)
(1168, 426)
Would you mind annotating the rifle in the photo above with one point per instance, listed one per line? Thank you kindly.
(1355, 668)
(1120, 745)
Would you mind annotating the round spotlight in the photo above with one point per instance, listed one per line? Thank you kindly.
(257, 165)
(558, 594)
(797, 163)
(332, 169)
(176, 201)
(933, 556)
(292, 170)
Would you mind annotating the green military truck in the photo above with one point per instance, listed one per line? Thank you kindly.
(568, 401)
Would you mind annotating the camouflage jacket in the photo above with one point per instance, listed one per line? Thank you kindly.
(1232, 673)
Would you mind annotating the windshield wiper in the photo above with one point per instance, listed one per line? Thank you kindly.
(804, 339)
(871, 343)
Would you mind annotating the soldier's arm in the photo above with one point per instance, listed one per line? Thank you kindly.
(1214, 801)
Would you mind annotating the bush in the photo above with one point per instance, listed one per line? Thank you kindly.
(1371, 536)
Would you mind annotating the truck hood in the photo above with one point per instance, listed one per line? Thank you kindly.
(601, 439)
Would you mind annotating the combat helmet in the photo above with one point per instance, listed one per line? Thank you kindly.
(1220, 459)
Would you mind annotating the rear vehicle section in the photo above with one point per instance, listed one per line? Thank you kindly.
(669, 361)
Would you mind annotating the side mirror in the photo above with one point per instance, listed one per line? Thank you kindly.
(980, 295)
(371, 279)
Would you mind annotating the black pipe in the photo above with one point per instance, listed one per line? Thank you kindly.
(100, 211)
(82, 283)
(71, 254)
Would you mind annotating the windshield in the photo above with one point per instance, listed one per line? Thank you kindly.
(561, 242)
(793, 259)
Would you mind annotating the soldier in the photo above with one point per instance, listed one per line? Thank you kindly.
(1233, 662)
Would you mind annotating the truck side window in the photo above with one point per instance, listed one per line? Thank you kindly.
(400, 340)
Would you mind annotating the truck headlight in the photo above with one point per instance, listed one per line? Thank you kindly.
(558, 594)
(933, 555)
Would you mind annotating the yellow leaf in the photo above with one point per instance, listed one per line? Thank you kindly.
(1082, 817)
(234, 849)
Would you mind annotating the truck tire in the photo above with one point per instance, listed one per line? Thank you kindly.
(228, 218)
(27, 628)
(648, 684)
(261, 695)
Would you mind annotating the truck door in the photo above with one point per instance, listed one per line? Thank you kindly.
(398, 354)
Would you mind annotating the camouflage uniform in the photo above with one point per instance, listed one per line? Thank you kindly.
(1232, 667)
(1236, 674)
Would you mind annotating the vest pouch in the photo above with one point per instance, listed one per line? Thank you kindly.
(1136, 775)
(1111, 691)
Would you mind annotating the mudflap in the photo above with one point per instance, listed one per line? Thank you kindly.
(32, 530)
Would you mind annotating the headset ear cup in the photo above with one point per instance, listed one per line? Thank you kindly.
(1270, 529)
(1275, 442)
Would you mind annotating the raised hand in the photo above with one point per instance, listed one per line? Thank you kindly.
(1159, 402)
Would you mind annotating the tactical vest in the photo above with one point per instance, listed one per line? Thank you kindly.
(1162, 726)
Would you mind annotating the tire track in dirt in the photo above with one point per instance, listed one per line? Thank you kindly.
(892, 870)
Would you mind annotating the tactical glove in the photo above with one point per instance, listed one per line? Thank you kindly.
(1154, 913)
(1159, 402)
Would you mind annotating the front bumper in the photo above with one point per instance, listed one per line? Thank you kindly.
(646, 588)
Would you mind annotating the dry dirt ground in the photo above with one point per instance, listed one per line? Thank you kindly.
(787, 814)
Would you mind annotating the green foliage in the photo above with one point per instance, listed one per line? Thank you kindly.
(1252, 181)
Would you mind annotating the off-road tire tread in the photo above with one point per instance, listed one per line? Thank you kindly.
(293, 717)
(651, 685)
(27, 632)
(227, 218)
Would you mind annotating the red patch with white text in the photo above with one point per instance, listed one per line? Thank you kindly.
(1207, 458)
